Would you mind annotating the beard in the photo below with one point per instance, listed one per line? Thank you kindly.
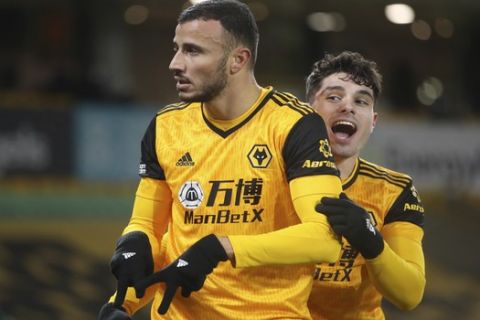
(212, 87)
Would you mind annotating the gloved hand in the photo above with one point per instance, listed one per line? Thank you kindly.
(131, 262)
(189, 271)
(111, 312)
(352, 222)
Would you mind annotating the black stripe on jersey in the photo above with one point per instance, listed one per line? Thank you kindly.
(225, 134)
(384, 177)
(283, 100)
(352, 178)
(149, 165)
(282, 104)
(302, 103)
(395, 176)
(291, 98)
(397, 179)
(172, 107)
(407, 208)
(302, 146)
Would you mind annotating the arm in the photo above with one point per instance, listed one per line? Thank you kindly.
(308, 242)
(399, 271)
(138, 252)
(312, 240)
(394, 258)
(151, 213)
(149, 217)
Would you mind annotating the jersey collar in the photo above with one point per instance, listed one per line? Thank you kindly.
(352, 177)
(219, 127)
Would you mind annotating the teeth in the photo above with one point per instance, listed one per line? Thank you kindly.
(345, 123)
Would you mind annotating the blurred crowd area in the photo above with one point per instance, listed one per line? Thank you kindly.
(81, 79)
(57, 53)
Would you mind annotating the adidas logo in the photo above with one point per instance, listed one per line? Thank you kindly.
(185, 161)
(370, 227)
(127, 255)
(182, 263)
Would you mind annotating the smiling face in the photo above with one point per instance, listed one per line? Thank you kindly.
(347, 109)
(199, 63)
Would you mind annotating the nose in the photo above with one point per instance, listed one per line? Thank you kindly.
(176, 64)
(347, 106)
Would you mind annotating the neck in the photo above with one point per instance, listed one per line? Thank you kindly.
(345, 166)
(236, 98)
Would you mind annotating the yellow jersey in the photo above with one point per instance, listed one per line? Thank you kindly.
(343, 290)
(234, 180)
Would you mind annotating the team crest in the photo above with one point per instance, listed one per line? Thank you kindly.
(260, 156)
(190, 195)
(325, 148)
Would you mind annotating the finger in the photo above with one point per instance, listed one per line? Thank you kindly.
(337, 221)
(167, 298)
(329, 210)
(344, 196)
(122, 286)
(186, 292)
(338, 229)
(336, 201)
(139, 290)
(144, 283)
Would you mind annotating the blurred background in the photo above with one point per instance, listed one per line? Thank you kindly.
(81, 79)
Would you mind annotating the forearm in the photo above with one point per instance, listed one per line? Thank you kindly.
(311, 241)
(303, 243)
(399, 272)
(150, 214)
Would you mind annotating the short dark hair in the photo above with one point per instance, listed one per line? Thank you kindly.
(358, 69)
(234, 16)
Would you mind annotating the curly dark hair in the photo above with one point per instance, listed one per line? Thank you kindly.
(358, 69)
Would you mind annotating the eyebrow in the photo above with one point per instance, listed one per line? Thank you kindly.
(365, 92)
(334, 88)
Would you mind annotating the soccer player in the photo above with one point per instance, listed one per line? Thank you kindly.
(233, 172)
(381, 217)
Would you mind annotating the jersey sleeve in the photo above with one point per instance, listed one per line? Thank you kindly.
(311, 241)
(398, 272)
(149, 164)
(307, 151)
(407, 208)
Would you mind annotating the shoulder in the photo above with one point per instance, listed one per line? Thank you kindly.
(288, 112)
(386, 175)
(176, 109)
(287, 103)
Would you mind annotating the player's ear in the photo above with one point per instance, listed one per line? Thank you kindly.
(374, 122)
(240, 58)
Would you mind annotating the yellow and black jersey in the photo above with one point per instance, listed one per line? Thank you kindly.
(233, 179)
(344, 290)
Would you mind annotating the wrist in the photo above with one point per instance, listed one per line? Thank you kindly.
(227, 246)
(374, 249)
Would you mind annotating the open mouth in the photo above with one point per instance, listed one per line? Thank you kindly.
(344, 129)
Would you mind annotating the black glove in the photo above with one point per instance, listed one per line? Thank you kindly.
(111, 312)
(189, 271)
(352, 222)
(131, 262)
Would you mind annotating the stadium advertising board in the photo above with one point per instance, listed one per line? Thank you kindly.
(35, 142)
(439, 156)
